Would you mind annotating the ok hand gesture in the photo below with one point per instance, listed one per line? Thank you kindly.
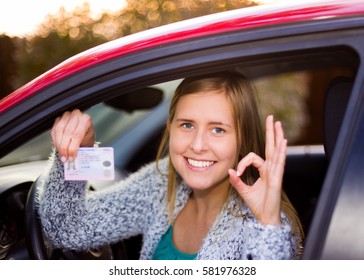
(264, 197)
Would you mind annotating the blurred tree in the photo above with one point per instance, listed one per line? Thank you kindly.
(68, 33)
(144, 14)
(58, 38)
(8, 67)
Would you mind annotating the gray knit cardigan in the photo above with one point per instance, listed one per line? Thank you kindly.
(73, 217)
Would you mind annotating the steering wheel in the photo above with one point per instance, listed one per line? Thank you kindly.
(33, 230)
(36, 243)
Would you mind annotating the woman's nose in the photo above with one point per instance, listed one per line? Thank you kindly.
(199, 142)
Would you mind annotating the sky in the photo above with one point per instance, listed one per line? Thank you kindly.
(20, 18)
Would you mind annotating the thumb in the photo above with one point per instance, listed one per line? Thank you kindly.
(235, 180)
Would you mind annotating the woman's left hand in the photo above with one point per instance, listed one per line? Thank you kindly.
(264, 197)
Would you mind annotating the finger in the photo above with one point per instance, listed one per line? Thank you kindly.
(234, 177)
(82, 135)
(63, 134)
(58, 132)
(278, 131)
(89, 132)
(55, 137)
(278, 163)
(249, 159)
(281, 158)
(269, 140)
(236, 181)
(53, 130)
(281, 144)
(69, 135)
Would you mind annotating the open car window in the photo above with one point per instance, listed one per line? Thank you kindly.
(111, 119)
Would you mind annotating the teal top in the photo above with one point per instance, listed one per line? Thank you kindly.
(167, 251)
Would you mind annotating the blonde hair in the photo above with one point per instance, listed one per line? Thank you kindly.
(250, 137)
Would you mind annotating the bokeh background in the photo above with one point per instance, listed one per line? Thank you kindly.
(37, 35)
(70, 30)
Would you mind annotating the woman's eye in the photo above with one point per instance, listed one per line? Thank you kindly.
(218, 130)
(187, 125)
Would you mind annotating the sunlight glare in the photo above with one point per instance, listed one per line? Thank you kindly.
(20, 18)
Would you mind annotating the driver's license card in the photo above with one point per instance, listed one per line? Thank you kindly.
(95, 163)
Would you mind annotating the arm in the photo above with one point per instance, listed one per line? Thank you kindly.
(75, 218)
(268, 231)
(269, 242)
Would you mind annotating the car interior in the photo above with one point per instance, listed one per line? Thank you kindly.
(304, 189)
(308, 157)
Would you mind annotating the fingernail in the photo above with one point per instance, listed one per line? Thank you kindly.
(63, 159)
(238, 173)
(70, 159)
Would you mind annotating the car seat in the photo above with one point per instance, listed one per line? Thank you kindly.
(336, 100)
(305, 173)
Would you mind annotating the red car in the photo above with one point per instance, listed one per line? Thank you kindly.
(306, 61)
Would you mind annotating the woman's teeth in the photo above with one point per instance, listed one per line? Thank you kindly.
(197, 163)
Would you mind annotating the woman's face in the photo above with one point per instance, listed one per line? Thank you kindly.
(203, 139)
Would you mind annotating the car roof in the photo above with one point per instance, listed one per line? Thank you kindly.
(245, 18)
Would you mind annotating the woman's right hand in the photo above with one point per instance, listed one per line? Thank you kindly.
(71, 131)
(264, 197)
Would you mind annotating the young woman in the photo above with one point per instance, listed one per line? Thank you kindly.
(214, 191)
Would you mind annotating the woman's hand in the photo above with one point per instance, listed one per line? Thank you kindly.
(71, 131)
(264, 197)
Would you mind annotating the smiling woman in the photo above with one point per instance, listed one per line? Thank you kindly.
(213, 127)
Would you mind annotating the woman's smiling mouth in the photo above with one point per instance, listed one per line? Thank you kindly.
(199, 163)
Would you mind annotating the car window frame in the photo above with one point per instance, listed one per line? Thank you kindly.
(337, 209)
